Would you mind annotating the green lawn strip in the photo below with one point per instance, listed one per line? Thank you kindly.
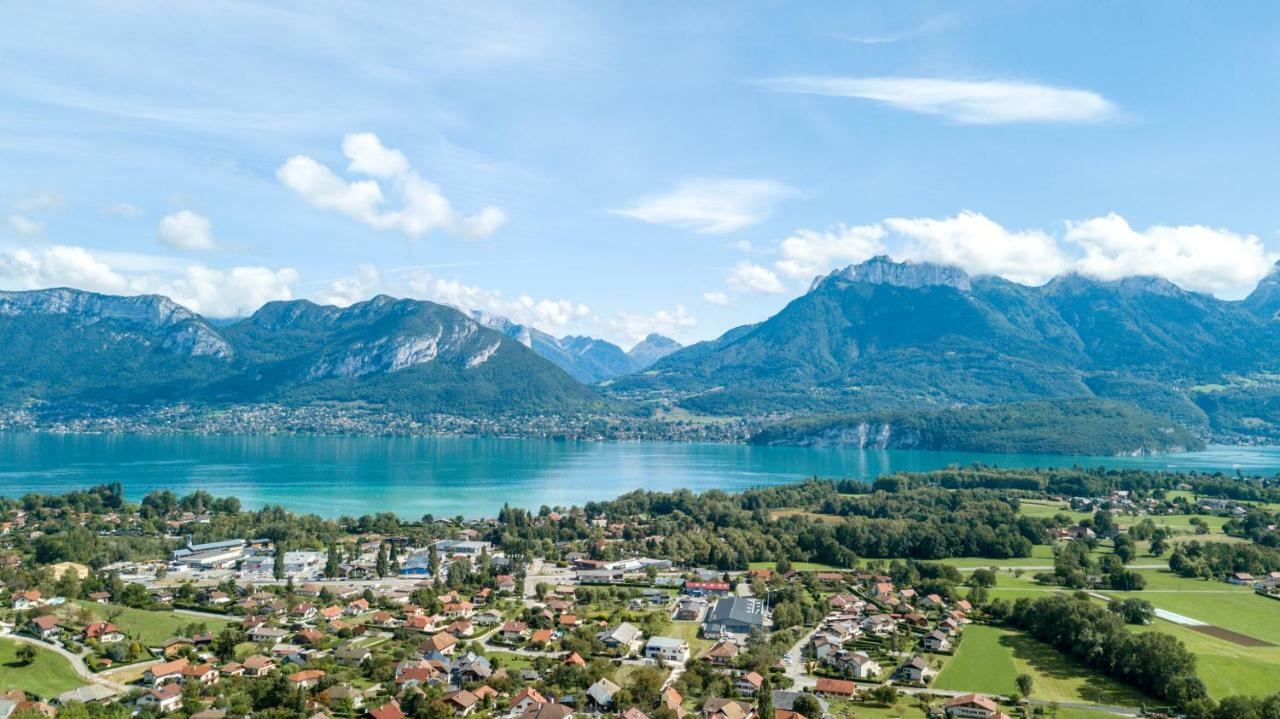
(47, 676)
(688, 631)
(801, 566)
(989, 659)
(151, 628)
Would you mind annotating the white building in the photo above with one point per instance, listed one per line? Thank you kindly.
(667, 649)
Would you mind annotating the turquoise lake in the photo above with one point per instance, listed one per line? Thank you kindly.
(413, 476)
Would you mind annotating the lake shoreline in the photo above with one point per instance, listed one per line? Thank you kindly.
(446, 476)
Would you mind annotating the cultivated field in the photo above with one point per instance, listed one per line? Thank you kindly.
(989, 659)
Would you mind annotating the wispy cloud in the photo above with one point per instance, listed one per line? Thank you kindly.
(932, 25)
(711, 206)
(972, 102)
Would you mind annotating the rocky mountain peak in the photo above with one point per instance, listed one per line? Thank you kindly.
(883, 270)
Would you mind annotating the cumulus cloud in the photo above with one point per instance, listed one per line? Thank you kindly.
(214, 292)
(1195, 257)
(982, 102)
(186, 230)
(711, 206)
(23, 226)
(715, 298)
(346, 291)
(808, 252)
(545, 314)
(635, 327)
(422, 207)
(980, 246)
(750, 277)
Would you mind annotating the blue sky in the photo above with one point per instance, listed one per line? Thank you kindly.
(619, 168)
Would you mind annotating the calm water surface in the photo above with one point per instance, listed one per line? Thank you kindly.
(412, 476)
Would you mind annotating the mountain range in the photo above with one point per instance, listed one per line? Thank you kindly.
(893, 335)
(68, 347)
(880, 336)
(586, 359)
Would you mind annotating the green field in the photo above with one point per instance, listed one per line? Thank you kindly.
(990, 658)
(48, 676)
(800, 566)
(688, 631)
(151, 628)
(1225, 667)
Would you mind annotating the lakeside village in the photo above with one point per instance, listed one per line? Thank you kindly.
(480, 618)
(357, 421)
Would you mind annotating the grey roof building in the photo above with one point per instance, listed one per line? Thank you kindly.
(735, 615)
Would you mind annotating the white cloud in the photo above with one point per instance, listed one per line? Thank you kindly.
(808, 252)
(545, 314)
(47, 201)
(185, 230)
(980, 246)
(423, 208)
(715, 298)
(346, 291)
(24, 226)
(750, 277)
(983, 102)
(214, 292)
(1195, 257)
(711, 206)
(1204, 259)
(121, 209)
(634, 328)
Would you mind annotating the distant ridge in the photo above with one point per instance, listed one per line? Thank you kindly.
(66, 345)
(903, 335)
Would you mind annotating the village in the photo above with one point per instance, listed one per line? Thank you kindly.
(537, 641)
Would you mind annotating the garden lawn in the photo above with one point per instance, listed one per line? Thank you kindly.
(989, 660)
(688, 631)
(151, 628)
(46, 677)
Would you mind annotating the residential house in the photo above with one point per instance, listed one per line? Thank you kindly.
(44, 626)
(723, 653)
(935, 641)
(513, 631)
(461, 702)
(306, 678)
(442, 643)
(165, 699)
(748, 684)
(916, 670)
(835, 688)
(158, 674)
(258, 666)
(624, 636)
(972, 706)
(718, 708)
(601, 694)
(547, 711)
(390, 710)
(104, 632)
(206, 674)
(667, 649)
(524, 699)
